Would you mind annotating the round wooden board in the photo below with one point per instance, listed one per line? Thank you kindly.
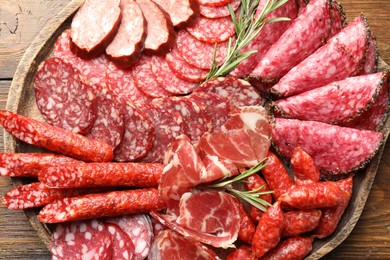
(21, 100)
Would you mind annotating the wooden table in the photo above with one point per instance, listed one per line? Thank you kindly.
(21, 20)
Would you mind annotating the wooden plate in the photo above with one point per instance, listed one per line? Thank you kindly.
(21, 99)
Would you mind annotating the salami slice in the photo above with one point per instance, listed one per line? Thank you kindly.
(167, 126)
(160, 36)
(239, 92)
(127, 44)
(181, 12)
(138, 135)
(342, 56)
(139, 229)
(94, 37)
(197, 53)
(212, 30)
(218, 12)
(122, 246)
(170, 245)
(63, 97)
(29, 164)
(215, 3)
(81, 240)
(351, 151)
(304, 36)
(371, 62)
(168, 80)
(54, 138)
(183, 69)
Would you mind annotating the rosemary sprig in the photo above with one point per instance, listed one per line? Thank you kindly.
(247, 28)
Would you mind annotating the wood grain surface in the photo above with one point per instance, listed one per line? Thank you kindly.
(21, 20)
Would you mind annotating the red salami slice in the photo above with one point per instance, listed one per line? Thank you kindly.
(342, 56)
(109, 123)
(54, 138)
(351, 151)
(81, 240)
(29, 164)
(138, 135)
(168, 80)
(122, 246)
(170, 245)
(121, 83)
(145, 80)
(63, 98)
(338, 102)
(214, 3)
(371, 63)
(268, 35)
(212, 30)
(218, 12)
(128, 42)
(239, 92)
(94, 37)
(181, 12)
(183, 69)
(167, 126)
(304, 36)
(338, 18)
(139, 229)
(197, 53)
(160, 36)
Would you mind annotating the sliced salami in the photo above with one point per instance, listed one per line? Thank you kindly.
(351, 151)
(168, 80)
(145, 80)
(215, 3)
(239, 92)
(371, 62)
(338, 18)
(212, 30)
(218, 12)
(121, 83)
(197, 53)
(181, 12)
(167, 126)
(128, 42)
(342, 56)
(183, 69)
(63, 97)
(81, 240)
(122, 246)
(138, 135)
(139, 229)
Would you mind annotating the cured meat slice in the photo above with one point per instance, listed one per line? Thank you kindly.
(218, 169)
(127, 44)
(212, 30)
(351, 151)
(304, 36)
(268, 35)
(239, 92)
(168, 80)
(93, 37)
(291, 248)
(218, 12)
(215, 3)
(371, 62)
(337, 102)
(109, 123)
(110, 204)
(121, 83)
(102, 175)
(139, 229)
(138, 135)
(29, 164)
(81, 240)
(160, 35)
(167, 126)
(183, 69)
(93, 69)
(63, 97)
(122, 246)
(341, 57)
(54, 138)
(338, 18)
(195, 121)
(145, 80)
(197, 53)
(218, 210)
(181, 12)
(170, 245)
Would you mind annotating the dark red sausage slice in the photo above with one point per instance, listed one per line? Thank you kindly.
(122, 246)
(181, 12)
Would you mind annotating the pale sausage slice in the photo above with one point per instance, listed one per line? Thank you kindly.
(181, 12)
